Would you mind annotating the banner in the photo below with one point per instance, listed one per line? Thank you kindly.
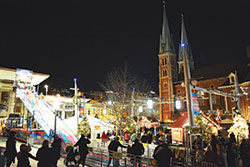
(196, 107)
(81, 111)
(23, 75)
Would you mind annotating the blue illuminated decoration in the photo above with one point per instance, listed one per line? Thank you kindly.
(75, 79)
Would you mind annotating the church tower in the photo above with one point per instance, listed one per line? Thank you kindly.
(188, 52)
(167, 70)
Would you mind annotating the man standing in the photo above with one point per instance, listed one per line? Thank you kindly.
(137, 150)
(56, 150)
(83, 149)
(113, 146)
(162, 153)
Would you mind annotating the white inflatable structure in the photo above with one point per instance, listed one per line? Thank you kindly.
(96, 125)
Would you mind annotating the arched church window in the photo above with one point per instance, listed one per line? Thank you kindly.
(163, 62)
(164, 73)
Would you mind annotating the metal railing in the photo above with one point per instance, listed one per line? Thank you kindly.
(100, 157)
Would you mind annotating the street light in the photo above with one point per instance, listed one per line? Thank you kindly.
(140, 109)
(150, 104)
(56, 106)
(110, 102)
(46, 89)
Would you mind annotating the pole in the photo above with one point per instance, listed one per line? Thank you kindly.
(76, 107)
(210, 102)
(132, 103)
(187, 79)
(237, 92)
(226, 104)
(55, 122)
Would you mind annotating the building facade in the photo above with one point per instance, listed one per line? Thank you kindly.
(220, 77)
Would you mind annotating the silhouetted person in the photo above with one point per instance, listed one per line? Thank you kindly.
(11, 152)
(243, 152)
(24, 155)
(149, 137)
(231, 154)
(137, 150)
(214, 142)
(83, 149)
(56, 150)
(44, 155)
(113, 146)
(162, 153)
(2, 158)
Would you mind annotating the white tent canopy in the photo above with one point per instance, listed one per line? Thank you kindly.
(96, 125)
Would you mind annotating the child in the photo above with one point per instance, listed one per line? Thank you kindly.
(23, 156)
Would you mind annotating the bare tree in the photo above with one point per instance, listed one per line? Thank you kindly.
(119, 85)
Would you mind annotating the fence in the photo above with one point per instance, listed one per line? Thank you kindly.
(100, 157)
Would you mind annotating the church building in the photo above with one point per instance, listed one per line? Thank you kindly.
(216, 78)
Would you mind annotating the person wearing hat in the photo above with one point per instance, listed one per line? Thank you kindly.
(162, 153)
(11, 151)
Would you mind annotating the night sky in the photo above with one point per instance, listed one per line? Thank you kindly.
(88, 38)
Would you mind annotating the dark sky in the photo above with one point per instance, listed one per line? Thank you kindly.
(88, 38)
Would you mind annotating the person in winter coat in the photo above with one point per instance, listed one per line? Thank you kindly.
(11, 151)
(231, 154)
(44, 155)
(83, 149)
(162, 153)
(56, 150)
(126, 137)
(137, 150)
(24, 155)
(113, 146)
(104, 138)
(149, 137)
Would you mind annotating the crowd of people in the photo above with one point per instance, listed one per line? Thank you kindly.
(224, 152)
(221, 151)
(47, 156)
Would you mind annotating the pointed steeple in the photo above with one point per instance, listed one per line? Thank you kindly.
(187, 49)
(166, 42)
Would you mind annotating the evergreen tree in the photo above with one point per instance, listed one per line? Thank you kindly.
(83, 127)
(202, 122)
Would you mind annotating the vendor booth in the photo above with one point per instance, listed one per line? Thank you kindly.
(177, 129)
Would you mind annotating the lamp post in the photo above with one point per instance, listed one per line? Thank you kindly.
(56, 106)
(46, 89)
(75, 101)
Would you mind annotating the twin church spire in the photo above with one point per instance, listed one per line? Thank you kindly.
(167, 44)
(166, 40)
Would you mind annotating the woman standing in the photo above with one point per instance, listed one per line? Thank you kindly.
(11, 152)
(44, 155)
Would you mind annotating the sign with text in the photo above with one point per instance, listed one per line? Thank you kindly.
(196, 107)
